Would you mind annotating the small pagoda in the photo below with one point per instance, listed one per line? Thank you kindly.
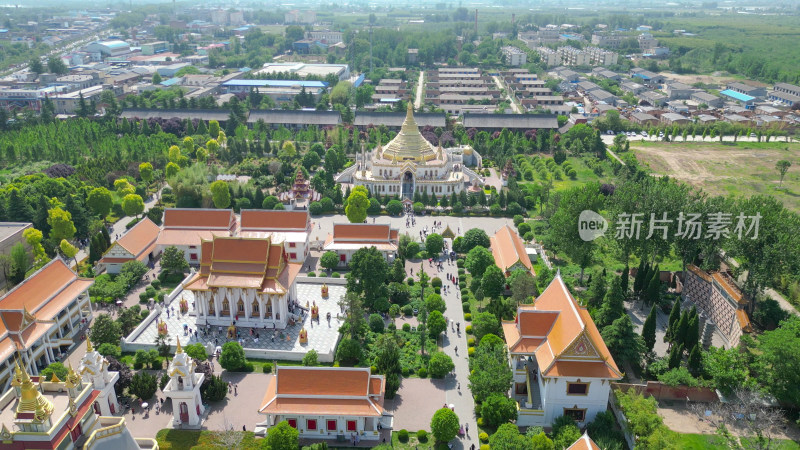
(301, 194)
(301, 187)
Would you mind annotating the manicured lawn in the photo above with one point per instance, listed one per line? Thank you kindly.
(169, 439)
(711, 441)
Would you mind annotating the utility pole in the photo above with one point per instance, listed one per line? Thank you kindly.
(370, 49)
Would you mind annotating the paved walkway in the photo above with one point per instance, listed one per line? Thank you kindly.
(511, 100)
(461, 399)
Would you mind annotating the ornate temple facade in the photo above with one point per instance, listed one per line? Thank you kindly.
(246, 282)
(410, 164)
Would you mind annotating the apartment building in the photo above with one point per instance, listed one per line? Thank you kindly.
(514, 56)
(549, 57)
(607, 40)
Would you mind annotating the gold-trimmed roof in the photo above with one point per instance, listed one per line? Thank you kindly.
(409, 143)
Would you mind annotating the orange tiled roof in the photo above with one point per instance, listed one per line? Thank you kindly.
(263, 219)
(39, 287)
(63, 299)
(332, 391)
(362, 231)
(220, 219)
(188, 236)
(140, 237)
(572, 345)
(508, 249)
(584, 443)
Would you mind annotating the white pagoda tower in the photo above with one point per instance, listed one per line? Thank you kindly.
(184, 390)
(94, 370)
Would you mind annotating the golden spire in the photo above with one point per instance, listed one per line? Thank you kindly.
(55, 378)
(32, 400)
(89, 348)
(180, 350)
(17, 380)
(72, 378)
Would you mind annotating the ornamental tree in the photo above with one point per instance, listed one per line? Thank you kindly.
(61, 226)
(444, 425)
(133, 205)
(220, 194)
(357, 204)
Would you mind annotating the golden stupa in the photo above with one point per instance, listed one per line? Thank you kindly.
(409, 143)
(32, 400)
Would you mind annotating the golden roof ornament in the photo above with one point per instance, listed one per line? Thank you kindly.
(55, 378)
(32, 400)
(89, 348)
(17, 380)
(179, 350)
(72, 378)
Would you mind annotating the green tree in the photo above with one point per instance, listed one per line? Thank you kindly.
(613, 306)
(566, 436)
(493, 282)
(146, 172)
(61, 226)
(782, 167)
(311, 358)
(649, 330)
(434, 302)
(329, 260)
(494, 376)
(56, 368)
(376, 323)
(69, 250)
(36, 65)
(508, 437)
(156, 78)
(196, 351)
(173, 260)
(485, 323)
(387, 354)
(478, 260)
(498, 409)
(440, 364)
(172, 169)
(565, 226)
(100, 202)
(232, 357)
(695, 362)
(20, 263)
(368, 274)
(283, 437)
(540, 441)
(523, 286)
(357, 204)
(444, 425)
(436, 324)
(434, 244)
(779, 349)
(675, 356)
(622, 341)
(220, 194)
(213, 129)
(349, 351)
(133, 205)
(472, 238)
(728, 369)
(674, 317)
(143, 385)
(57, 66)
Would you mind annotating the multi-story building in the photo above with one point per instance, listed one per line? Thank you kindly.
(747, 89)
(187, 229)
(514, 56)
(785, 93)
(40, 317)
(678, 91)
(572, 56)
(646, 40)
(297, 16)
(560, 363)
(601, 57)
(607, 40)
(550, 57)
(325, 36)
(155, 47)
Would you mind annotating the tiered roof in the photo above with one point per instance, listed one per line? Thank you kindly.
(561, 335)
(246, 263)
(508, 249)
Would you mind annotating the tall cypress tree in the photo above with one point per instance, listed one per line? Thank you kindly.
(681, 329)
(649, 330)
(675, 356)
(695, 360)
(625, 280)
(674, 316)
(692, 332)
(106, 239)
(637, 280)
(653, 293)
(18, 210)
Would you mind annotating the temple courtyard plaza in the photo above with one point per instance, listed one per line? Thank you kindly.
(270, 344)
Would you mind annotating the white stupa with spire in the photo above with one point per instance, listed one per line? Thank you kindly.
(93, 369)
(183, 389)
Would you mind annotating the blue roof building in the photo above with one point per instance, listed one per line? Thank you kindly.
(745, 99)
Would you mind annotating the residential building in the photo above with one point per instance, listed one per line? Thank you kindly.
(647, 77)
(600, 95)
(572, 56)
(514, 56)
(785, 93)
(560, 363)
(188, 228)
(246, 281)
(412, 56)
(297, 16)
(678, 91)
(325, 36)
(331, 403)
(633, 88)
(747, 89)
(11, 235)
(646, 41)
(347, 238)
(711, 100)
(674, 119)
(607, 40)
(56, 414)
(292, 228)
(678, 106)
(601, 57)
(509, 251)
(549, 57)
(41, 316)
(137, 244)
(410, 164)
(787, 88)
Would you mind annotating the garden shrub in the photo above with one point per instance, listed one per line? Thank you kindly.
(471, 351)
(480, 419)
(408, 310)
(422, 372)
(311, 274)
(468, 329)
(156, 284)
(336, 275)
(471, 342)
(422, 436)
(402, 435)
(460, 263)
(436, 282)
(465, 307)
(267, 368)
(410, 281)
(406, 327)
(468, 317)
(483, 437)
(485, 447)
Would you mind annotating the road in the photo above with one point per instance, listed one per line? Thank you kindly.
(420, 90)
(500, 86)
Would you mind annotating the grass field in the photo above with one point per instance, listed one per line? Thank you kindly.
(743, 168)
(711, 441)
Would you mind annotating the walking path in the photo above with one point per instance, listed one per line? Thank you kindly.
(461, 399)
(508, 96)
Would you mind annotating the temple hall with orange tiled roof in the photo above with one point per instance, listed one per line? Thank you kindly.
(561, 364)
(347, 238)
(137, 244)
(326, 402)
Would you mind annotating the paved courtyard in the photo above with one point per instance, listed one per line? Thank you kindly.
(322, 336)
(416, 401)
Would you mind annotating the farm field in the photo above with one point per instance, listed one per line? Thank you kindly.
(743, 168)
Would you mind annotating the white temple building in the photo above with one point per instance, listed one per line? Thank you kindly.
(410, 164)
(183, 389)
(246, 282)
(94, 370)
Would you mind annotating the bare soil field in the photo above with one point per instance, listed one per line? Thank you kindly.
(720, 169)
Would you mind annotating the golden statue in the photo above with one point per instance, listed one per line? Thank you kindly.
(324, 290)
(303, 336)
(315, 312)
(162, 328)
(184, 306)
